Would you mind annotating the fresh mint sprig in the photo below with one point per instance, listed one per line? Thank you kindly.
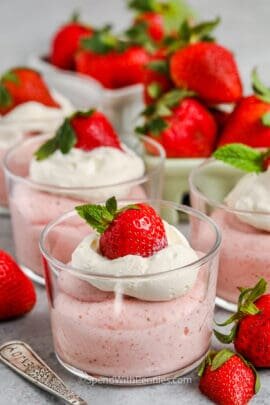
(242, 157)
(100, 217)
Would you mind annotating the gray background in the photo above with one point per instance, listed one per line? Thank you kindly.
(25, 28)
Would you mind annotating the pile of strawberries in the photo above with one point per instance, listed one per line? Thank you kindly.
(192, 84)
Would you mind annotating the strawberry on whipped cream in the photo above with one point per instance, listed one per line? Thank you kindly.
(84, 162)
(243, 214)
(27, 107)
(133, 300)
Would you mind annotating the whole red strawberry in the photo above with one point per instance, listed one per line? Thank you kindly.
(133, 230)
(20, 85)
(114, 63)
(251, 331)
(66, 42)
(209, 70)
(155, 24)
(227, 379)
(182, 125)
(85, 130)
(250, 121)
(17, 293)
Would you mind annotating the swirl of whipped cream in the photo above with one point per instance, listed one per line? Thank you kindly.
(32, 117)
(103, 166)
(163, 287)
(252, 193)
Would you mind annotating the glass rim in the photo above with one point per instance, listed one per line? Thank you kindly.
(168, 204)
(50, 187)
(193, 189)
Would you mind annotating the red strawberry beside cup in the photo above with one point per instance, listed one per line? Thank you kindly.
(20, 85)
(227, 379)
(251, 331)
(132, 230)
(17, 293)
(85, 130)
(250, 121)
(181, 124)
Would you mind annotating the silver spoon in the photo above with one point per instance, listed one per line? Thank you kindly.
(22, 359)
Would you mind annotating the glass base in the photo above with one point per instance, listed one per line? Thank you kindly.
(227, 305)
(33, 276)
(4, 210)
(131, 381)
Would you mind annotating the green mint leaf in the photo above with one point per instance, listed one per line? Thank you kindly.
(5, 97)
(160, 66)
(221, 358)
(64, 140)
(266, 119)
(47, 149)
(241, 157)
(10, 77)
(142, 130)
(142, 5)
(101, 42)
(111, 205)
(154, 90)
(99, 217)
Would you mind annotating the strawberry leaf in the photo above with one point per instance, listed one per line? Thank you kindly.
(226, 338)
(221, 358)
(241, 157)
(160, 66)
(246, 306)
(101, 42)
(10, 77)
(154, 90)
(142, 5)
(75, 16)
(266, 119)
(174, 13)
(5, 97)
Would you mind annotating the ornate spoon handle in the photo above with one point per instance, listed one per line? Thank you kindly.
(22, 359)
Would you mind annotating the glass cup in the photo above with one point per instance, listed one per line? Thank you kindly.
(104, 335)
(245, 254)
(33, 205)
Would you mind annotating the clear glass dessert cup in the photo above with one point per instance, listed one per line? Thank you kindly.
(110, 337)
(33, 205)
(245, 254)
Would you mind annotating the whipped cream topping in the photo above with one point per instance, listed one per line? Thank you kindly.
(163, 287)
(252, 193)
(32, 117)
(103, 166)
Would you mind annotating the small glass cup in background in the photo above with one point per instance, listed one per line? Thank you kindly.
(245, 253)
(113, 338)
(33, 205)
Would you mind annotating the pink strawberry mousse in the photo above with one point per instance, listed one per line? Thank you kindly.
(31, 210)
(141, 338)
(244, 257)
